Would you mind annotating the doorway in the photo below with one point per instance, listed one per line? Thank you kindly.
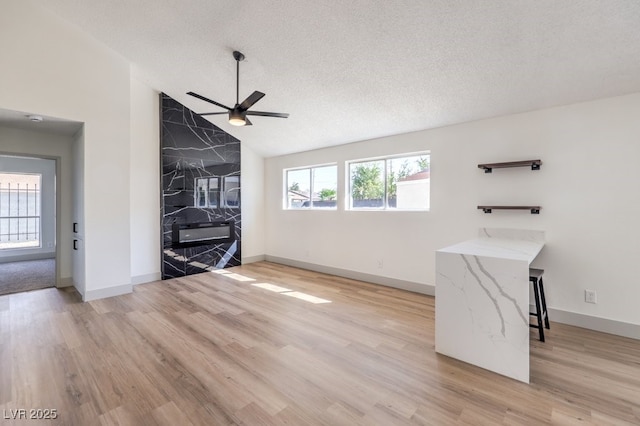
(28, 228)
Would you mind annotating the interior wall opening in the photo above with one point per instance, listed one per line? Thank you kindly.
(28, 228)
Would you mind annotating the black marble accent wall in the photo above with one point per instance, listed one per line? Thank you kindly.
(200, 184)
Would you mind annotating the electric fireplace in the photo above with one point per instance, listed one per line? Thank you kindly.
(191, 234)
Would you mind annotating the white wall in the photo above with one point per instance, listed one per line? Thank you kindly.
(53, 69)
(18, 141)
(252, 202)
(145, 181)
(587, 187)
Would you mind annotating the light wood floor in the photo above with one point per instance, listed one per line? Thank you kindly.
(215, 349)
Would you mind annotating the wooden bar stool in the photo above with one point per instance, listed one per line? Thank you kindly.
(535, 277)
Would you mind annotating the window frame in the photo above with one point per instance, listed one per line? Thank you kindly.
(285, 202)
(385, 181)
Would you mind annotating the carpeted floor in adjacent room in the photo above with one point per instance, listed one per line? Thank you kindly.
(27, 275)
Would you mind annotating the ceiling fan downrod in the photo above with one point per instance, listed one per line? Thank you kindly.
(238, 56)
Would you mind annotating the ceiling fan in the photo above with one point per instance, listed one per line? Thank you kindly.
(238, 114)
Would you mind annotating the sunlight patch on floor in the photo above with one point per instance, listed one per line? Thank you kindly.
(232, 275)
(306, 297)
(239, 277)
(271, 287)
(291, 293)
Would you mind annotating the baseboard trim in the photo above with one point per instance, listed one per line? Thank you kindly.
(427, 289)
(103, 293)
(146, 278)
(604, 325)
(79, 288)
(253, 259)
(25, 257)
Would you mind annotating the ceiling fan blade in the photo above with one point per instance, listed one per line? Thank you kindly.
(213, 113)
(251, 99)
(268, 114)
(247, 122)
(195, 95)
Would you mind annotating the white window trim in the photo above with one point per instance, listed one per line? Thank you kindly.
(285, 189)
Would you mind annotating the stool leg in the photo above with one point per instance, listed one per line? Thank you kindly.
(544, 304)
(538, 311)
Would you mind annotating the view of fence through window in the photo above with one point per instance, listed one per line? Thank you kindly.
(19, 210)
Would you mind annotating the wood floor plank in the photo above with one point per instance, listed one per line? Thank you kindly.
(215, 349)
(170, 414)
(6, 363)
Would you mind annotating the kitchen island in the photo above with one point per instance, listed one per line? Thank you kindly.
(482, 300)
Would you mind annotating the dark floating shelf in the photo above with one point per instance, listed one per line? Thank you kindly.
(488, 167)
(532, 209)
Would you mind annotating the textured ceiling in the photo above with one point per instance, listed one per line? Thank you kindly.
(349, 71)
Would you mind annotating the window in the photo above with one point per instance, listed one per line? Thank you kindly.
(19, 210)
(311, 187)
(392, 183)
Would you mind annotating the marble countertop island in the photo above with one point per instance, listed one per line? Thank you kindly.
(497, 247)
(482, 300)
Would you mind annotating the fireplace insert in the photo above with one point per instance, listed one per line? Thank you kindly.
(190, 234)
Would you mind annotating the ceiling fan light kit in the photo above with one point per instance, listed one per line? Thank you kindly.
(236, 118)
(238, 114)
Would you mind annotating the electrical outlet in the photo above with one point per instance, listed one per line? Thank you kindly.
(590, 296)
(380, 263)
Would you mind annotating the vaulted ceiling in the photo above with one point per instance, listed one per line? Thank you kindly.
(349, 71)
